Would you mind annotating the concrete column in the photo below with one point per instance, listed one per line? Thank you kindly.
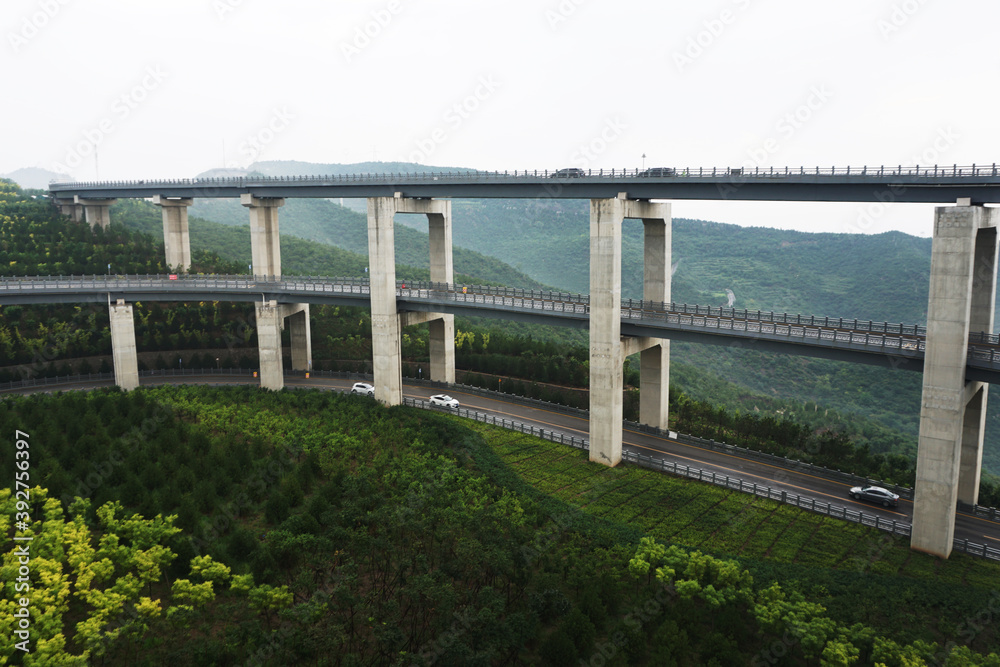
(176, 240)
(269, 345)
(606, 217)
(386, 354)
(97, 211)
(981, 316)
(442, 330)
(300, 335)
(123, 345)
(962, 289)
(264, 241)
(654, 368)
(70, 209)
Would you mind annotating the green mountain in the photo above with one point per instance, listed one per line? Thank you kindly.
(326, 222)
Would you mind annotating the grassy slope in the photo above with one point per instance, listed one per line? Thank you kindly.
(858, 573)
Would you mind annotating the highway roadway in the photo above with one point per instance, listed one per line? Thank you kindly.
(974, 529)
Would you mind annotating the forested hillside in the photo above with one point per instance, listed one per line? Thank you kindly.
(199, 525)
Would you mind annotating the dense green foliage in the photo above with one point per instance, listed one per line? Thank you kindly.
(367, 535)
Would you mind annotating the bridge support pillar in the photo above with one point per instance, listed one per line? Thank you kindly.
(265, 245)
(300, 335)
(654, 366)
(386, 320)
(952, 412)
(123, 345)
(386, 354)
(97, 211)
(269, 344)
(176, 240)
(442, 326)
(607, 347)
(606, 358)
(70, 209)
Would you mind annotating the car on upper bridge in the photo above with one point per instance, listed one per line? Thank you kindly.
(568, 172)
(659, 171)
(875, 494)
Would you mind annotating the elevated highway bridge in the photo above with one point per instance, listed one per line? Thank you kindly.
(955, 360)
(842, 339)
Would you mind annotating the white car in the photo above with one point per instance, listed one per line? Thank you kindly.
(444, 400)
(363, 388)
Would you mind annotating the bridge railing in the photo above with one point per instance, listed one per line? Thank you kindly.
(880, 337)
(741, 172)
(791, 465)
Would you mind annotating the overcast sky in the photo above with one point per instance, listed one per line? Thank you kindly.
(172, 88)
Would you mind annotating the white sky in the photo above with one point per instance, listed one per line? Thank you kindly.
(172, 88)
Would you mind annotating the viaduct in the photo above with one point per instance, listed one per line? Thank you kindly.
(961, 302)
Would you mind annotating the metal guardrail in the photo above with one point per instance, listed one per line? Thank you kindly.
(792, 465)
(808, 503)
(926, 171)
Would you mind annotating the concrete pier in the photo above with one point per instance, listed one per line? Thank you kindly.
(606, 351)
(123, 345)
(70, 209)
(300, 335)
(607, 347)
(269, 344)
(265, 245)
(442, 325)
(176, 239)
(952, 413)
(654, 370)
(386, 354)
(387, 321)
(96, 211)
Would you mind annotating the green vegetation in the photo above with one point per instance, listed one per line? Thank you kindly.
(394, 536)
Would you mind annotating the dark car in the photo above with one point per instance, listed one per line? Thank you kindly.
(659, 171)
(568, 172)
(875, 494)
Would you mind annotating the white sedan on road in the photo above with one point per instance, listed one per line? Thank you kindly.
(444, 401)
(363, 388)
